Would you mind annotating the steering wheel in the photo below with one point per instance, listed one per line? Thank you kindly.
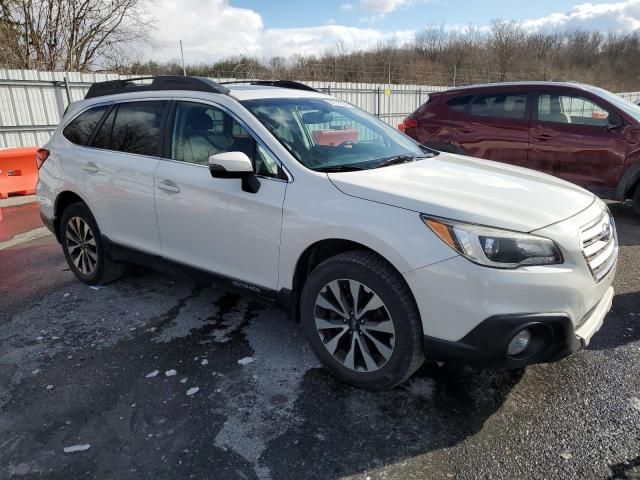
(345, 144)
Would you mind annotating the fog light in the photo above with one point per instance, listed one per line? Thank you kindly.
(519, 342)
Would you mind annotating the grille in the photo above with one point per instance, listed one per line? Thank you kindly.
(600, 245)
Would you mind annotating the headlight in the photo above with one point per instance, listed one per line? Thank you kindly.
(494, 247)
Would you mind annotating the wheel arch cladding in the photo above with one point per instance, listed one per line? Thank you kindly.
(630, 179)
(317, 253)
(63, 200)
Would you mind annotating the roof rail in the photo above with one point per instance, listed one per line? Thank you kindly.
(162, 82)
(275, 83)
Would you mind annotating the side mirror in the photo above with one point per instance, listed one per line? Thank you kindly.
(234, 165)
(615, 122)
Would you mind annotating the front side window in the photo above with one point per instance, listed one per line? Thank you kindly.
(502, 105)
(571, 109)
(332, 135)
(200, 131)
(137, 128)
(79, 130)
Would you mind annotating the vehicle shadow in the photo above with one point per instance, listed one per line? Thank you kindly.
(622, 324)
(345, 431)
(627, 223)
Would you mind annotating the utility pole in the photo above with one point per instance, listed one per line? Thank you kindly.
(184, 70)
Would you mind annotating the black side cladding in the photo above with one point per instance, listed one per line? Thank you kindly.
(163, 82)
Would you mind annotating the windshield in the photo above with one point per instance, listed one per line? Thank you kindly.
(623, 104)
(332, 135)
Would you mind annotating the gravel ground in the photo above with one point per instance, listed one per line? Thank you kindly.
(74, 363)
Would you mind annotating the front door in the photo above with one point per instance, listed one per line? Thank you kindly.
(211, 223)
(571, 138)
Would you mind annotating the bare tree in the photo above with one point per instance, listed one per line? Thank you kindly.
(504, 41)
(432, 42)
(611, 61)
(544, 50)
(68, 34)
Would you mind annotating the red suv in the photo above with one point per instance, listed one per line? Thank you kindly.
(580, 133)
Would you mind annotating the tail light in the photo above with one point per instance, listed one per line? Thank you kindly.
(408, 123)
(41, 156)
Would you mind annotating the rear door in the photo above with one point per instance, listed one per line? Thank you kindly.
(119, 166)
(571, 139)
(495, 126)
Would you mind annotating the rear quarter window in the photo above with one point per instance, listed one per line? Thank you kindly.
(79, 130)
(458, 104)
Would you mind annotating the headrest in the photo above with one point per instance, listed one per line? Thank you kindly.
(199, 121)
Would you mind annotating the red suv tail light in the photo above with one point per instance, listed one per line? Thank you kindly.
(408, 123)
(41, 156)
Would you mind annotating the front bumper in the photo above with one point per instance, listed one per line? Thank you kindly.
(554, 337)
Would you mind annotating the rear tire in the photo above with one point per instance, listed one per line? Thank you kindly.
(636, 200)
(84, 248)
(369, 335)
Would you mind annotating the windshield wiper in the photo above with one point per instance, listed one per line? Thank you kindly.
(397, 160)
(338, 168)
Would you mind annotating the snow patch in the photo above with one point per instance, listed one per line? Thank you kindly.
(77, 448)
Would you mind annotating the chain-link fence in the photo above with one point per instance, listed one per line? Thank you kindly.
(392, 72)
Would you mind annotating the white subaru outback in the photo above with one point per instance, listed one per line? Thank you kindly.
(389, 253)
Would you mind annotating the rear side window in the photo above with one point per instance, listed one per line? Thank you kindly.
(503, 105)
(80, 128)
(459, 103)
(137, 128)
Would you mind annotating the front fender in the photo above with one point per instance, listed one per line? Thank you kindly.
(397, 234)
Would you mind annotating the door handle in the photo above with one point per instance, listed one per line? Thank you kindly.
(90, 167)
(168, 186)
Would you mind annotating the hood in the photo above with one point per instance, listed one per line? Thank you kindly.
(469, 190)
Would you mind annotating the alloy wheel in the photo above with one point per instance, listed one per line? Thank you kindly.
(354, 325)
(81, 244)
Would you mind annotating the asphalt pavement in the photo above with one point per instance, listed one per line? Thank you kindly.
(157, 377)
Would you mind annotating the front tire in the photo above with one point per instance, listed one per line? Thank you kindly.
(361, 320)
(84, 249)
(636, 200)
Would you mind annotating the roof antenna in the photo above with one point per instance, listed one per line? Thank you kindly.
(184, 70)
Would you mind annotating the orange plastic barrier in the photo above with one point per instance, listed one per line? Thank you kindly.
(334, 137)
(18, 172)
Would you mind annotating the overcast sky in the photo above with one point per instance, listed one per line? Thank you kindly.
(213, 29)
